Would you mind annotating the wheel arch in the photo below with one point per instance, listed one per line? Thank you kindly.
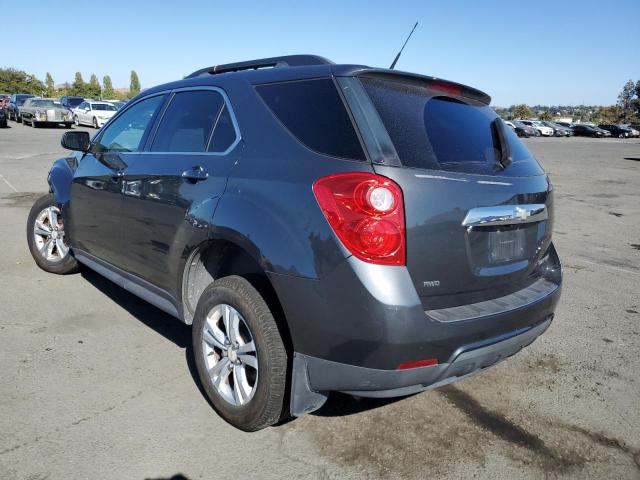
(221, 257)
(60, 179)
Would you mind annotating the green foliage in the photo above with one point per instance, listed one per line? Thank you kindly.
(50, 90)
(107, 87)
(611, 115)
(78, 87)
(93, 88)
(134, 87)
(626, 101)
(522, 111)
(546, 116)
(18, 81)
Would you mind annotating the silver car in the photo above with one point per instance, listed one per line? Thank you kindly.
(41, 111)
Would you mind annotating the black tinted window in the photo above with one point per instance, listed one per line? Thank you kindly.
(125, 133)
(224, 134)
(314, 113)
(187, 122)
(437, 132)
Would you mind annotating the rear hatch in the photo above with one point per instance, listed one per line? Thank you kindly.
(478, 205)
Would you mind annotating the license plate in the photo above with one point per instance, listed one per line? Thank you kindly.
(507, 245)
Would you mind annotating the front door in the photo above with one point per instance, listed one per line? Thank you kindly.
(170, 191)
(94, 215)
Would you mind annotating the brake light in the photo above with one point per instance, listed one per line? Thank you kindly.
(445, 87)
(366, 212)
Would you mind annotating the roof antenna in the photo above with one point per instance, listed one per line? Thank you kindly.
(395, 60)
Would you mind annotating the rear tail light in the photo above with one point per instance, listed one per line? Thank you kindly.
(366, 212)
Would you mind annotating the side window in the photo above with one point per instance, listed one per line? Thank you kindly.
(82, 106)
(125, 133)
(224, 133)
(187, 122)
(314, 113)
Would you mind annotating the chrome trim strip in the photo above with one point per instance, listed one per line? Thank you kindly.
(505, 215)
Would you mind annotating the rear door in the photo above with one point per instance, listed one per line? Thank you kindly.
(170, 191)
(476, 201)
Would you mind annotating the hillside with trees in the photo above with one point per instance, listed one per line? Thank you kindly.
(18, 81)
(626, 110)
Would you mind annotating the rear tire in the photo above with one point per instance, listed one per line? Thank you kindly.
(95, 123)
(261, 389)
(46, 239)
(76, 120)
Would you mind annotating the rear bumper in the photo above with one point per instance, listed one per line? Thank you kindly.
(467, 360)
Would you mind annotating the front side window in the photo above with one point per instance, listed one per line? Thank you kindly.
(125, 133)
(187, 122)
(314, 113)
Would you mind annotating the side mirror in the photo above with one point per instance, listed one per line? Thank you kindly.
(77, 141)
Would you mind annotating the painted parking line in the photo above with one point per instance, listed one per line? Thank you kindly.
(8, 183)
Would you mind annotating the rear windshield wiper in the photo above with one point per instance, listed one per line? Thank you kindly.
(505, 159)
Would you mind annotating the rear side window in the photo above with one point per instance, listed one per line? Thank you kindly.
(442, 133)
(314, 113)
(187, 122)
(224, 134)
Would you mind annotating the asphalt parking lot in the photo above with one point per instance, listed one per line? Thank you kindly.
(96, 384)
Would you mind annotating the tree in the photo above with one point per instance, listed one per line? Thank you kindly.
(546, 116)
(93, 89)
(134, 87)
(12, 80)
(50, 85)
(625, 100)
(522, 111)
(107, 87)
(78, 87)
(609, 115)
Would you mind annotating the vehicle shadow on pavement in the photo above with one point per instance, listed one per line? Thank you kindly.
(341, 405)
(337, 405)
(169, 327)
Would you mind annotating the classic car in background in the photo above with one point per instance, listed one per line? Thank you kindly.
(42, 111)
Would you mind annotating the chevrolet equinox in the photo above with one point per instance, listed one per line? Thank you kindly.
(322, 227)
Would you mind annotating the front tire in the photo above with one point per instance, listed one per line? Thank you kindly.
(76, 120)
(239, 354)
(46, 237)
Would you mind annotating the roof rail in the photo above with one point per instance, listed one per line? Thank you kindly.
(286, 61)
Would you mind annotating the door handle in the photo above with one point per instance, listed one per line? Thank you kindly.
(196, 174)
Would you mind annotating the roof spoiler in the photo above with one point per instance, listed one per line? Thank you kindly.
(433, 83)
(274, 62)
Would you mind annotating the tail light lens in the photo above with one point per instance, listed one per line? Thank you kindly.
(366, 212)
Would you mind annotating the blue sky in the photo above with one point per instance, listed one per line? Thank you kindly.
(535, 52)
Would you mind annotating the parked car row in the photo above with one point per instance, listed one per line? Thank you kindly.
(537, 128)
(29, 109)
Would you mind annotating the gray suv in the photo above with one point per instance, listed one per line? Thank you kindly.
(323, 228)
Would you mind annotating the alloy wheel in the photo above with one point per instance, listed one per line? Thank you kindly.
(230, 355)
(48, 233)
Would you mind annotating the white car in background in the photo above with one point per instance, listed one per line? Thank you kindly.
(543, 129)
(93, 113)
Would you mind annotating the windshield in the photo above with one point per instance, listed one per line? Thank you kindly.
(74, 102)
(21, 100)
(103, 106)
(442, 133)
(44, 103)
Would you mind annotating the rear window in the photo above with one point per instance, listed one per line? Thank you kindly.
(314, 113)
(441, 133)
